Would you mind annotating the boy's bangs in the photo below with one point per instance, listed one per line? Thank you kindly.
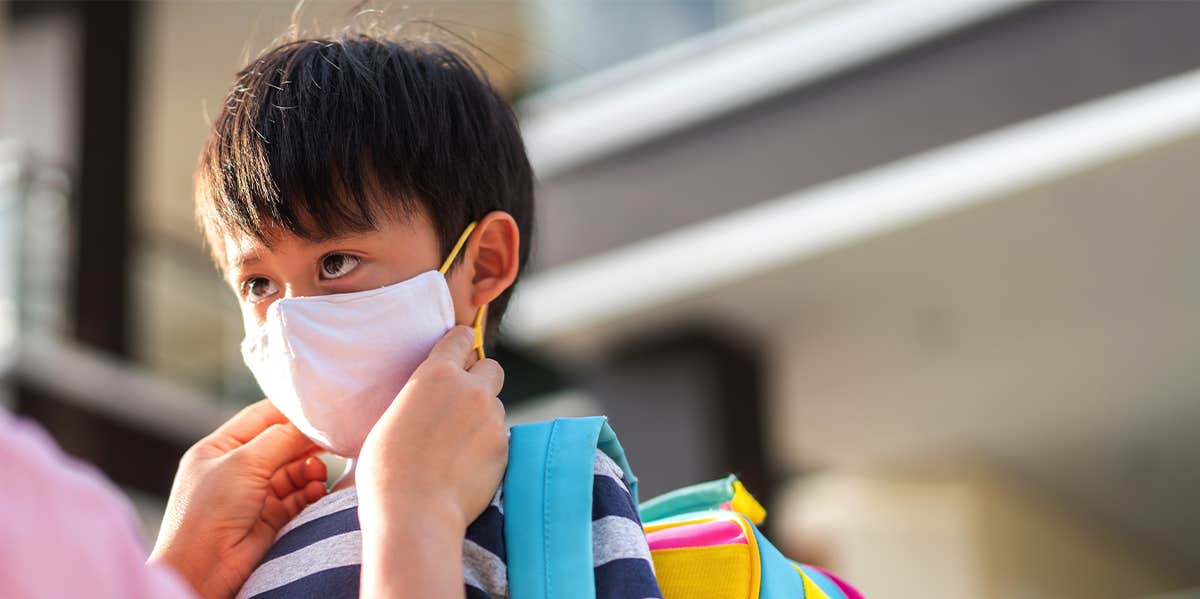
(312, 131)
(315, 208)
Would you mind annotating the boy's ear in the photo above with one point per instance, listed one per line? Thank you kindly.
(494, 253)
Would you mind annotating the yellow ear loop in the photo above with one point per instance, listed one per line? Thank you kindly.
(482, 312)
(458, 246)
(478, 326)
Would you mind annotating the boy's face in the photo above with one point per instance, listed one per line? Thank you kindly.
(399, 248)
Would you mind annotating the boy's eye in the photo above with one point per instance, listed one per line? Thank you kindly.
(258, 288)
(337, 265)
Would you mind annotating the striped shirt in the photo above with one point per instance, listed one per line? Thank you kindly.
(319, 553)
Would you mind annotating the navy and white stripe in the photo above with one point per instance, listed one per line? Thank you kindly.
(319, 553)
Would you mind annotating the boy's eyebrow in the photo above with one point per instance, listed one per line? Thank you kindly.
(242, 260)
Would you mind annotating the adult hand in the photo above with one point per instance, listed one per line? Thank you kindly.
(429, 467)
(235, 489)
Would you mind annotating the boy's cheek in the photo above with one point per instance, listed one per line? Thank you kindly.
(253, 315)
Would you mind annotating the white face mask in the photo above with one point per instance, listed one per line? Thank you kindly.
(333, 363)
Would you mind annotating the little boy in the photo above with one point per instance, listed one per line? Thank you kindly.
(338, 176)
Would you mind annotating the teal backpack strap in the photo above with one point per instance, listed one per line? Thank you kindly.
(548, 506)
(780, 578)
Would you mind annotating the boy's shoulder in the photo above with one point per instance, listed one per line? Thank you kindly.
(323, 545)
(611, 493)
(347, 499)
(605, 466)
(318, 553)
(335, 503)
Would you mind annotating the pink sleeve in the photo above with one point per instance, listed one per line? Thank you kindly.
(64, 530)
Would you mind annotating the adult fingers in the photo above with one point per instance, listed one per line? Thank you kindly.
(277, 512)
(472, 356)
(297, 475)
(276, 446)
(314, 490)
(250, 421)
(281, 484)
(455, 346)
(490, 371)
(500, 412)
(315, 469)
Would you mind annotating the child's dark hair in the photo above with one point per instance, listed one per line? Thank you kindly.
(321, 137)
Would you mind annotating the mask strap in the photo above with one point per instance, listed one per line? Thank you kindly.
(482, 312)
(478, 326)
(458, 246)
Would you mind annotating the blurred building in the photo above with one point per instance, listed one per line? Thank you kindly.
(920, 272)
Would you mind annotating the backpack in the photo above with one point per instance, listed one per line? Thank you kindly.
(703, 539)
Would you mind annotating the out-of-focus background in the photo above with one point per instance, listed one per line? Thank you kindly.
(924, 273)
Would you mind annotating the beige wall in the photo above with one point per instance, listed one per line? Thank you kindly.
(1048, 331)
(3, 39)
(961, 531)
(41, 109)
